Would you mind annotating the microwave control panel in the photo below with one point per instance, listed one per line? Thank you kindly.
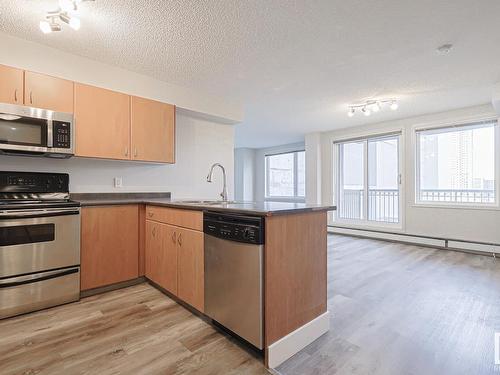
(61, 134)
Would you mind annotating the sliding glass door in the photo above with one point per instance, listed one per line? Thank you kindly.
(368, 179)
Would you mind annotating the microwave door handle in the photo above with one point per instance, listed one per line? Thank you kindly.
(42, 213)
(50, 132)
(29, 279)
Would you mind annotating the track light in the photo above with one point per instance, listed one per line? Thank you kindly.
(65, 14)
(372, 105)
(73, 22)
(47, 27)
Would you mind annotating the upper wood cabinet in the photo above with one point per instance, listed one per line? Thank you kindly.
(109, 245)
(43, 91)
(191, 262)
(102, 122)
(11, 85)
(152, 130)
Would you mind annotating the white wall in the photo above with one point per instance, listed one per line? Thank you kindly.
(457, 223)
(199, 143)
(244, 174)
(36, 57)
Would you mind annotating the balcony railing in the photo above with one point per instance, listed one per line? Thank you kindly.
(457, 196)
(383, 204)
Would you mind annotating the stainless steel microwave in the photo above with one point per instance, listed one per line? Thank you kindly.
(35, 132)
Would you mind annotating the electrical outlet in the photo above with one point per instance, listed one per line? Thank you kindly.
(118, 182)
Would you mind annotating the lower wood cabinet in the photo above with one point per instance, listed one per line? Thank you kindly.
(190, 262)
(175, 261)
(109, 245)
(161, 255)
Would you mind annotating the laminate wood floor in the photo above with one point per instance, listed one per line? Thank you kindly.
(395, 310)
(137, 330)
(400, 309)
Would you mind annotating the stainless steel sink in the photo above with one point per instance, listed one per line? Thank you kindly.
(206, 202)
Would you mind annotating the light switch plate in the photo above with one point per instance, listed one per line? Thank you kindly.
(118, 182)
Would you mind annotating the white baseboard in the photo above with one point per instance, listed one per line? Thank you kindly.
(297, 340)
(389, 236)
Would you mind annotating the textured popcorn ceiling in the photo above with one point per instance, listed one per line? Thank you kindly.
(294, 64)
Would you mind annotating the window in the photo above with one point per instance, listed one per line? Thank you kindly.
(285, 176)
(368, 179)
(456, 165)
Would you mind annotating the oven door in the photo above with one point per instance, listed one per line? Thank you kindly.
(38, 240)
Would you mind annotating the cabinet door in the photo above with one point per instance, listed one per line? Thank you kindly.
(43, 91)
(191, 268)
(153, 130)
(11, 85)
(153, 251)
(161, 255)
(102, 121)
(109, 245)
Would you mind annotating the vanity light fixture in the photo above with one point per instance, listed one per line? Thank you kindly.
(372, 106)
(64, 13)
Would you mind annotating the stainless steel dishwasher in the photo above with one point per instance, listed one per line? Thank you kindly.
(233, 273)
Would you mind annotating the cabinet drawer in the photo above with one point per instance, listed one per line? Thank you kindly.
(191, 219)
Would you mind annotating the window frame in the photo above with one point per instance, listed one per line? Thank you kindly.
(365, 222)
(417, 202)
(295, 197)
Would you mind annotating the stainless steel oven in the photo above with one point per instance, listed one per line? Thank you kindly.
(38, 239)
(35, 132)
(39, 242)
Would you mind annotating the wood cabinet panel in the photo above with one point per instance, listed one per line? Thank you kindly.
(11, 85)
(43, 91)
(109, 245)
(161, 255)
(152, 130)
(191, 268)
(102, 122)
(295, 282)
(191, 219)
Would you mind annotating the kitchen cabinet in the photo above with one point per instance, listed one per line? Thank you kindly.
(43, 91)
(175, 250)
(102, 123)
(191, 267)
(161, 255)
(109, 245)
(11, 85)
(152, 130)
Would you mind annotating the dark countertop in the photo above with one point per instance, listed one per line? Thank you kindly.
(163, 199)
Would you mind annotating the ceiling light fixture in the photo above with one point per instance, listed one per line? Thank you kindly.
(63, 13)
(372, 106)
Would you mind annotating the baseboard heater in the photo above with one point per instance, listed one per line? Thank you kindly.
(446, 243)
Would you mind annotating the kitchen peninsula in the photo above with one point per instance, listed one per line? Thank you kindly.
(294, 257)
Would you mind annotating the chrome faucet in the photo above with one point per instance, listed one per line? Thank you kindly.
(209, 179)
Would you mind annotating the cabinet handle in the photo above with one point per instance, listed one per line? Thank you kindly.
(135, 152)
(179, 239)
(154, 231)
(15, 95)
(126, 151)
(31, 97)
(173, 237)
(150, 214)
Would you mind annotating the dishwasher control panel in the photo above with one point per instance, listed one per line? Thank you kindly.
(233, 227)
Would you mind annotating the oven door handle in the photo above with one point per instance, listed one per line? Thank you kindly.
(15, 214)
(29, 279)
